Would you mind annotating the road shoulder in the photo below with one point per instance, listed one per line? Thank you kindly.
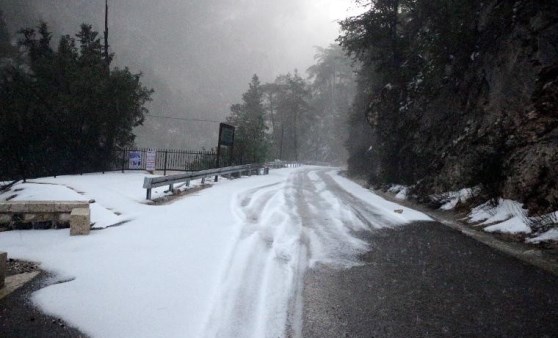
(546, 259)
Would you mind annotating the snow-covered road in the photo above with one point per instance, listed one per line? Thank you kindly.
(226, 262)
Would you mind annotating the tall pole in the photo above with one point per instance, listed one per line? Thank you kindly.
(106, 51)
(281, 144)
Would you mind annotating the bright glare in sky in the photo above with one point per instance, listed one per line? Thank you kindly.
(340, 9)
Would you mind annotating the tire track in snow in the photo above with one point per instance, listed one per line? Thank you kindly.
(286, 228)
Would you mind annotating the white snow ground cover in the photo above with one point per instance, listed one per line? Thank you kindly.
(400, 191)
(225, 261)
(510, 217)
(452, 198)
(550, 235)
(507, 217)
(388, 207)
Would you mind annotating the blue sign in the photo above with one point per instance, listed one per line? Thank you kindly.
(134, 160)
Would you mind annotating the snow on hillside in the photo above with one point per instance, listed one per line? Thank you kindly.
(507, 216)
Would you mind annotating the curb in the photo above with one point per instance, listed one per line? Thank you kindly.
(14, 282)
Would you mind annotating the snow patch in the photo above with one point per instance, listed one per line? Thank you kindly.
(400, 191)
(452, 198)
(506, 217)
(550, 235)
(386, 207)
(514, 225)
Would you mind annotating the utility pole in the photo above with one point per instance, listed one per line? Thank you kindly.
(106, 49)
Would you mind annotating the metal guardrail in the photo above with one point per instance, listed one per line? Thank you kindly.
(283, 164)
(154, 182)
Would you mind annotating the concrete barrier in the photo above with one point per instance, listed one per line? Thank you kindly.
(41, 206)
(80, 221)
(57, 212)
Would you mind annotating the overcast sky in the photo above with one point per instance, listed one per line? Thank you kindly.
(203, 51)
(236, 37)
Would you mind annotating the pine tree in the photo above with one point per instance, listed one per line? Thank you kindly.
(293, 112)
(377, 38)
(251, 140)
(271, 93)
(86, 109)
(333, 88)
(410, 51)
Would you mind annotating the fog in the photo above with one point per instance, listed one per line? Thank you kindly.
(198, 55)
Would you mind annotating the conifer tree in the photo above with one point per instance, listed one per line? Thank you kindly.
(293, 111)
(332, 86)
(86, 110)
(251, 140)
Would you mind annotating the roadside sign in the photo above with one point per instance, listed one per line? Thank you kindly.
(226, 138)
(134, 160)
(226, 135)
(150, 157)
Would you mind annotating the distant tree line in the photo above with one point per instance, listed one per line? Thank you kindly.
(293, 118)
(63, 109)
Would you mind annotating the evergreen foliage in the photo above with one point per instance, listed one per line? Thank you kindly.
(410, 52)
(65, 110)
(251, 140)
(295, 119)
(332, 87)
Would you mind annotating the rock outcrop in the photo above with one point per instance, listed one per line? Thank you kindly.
(491, 120)
(506, 135)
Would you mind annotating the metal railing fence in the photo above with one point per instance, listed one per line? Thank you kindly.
(167, 160)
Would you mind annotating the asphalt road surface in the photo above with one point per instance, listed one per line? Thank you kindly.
(20, 319)
(426, 280)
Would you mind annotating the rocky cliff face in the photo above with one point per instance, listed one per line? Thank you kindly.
(495, 124)
(508, 129)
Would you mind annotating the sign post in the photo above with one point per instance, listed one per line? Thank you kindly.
(226, 138)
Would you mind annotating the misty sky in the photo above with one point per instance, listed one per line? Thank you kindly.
(202, 52)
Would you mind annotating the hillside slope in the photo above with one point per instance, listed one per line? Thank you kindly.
(487, 115)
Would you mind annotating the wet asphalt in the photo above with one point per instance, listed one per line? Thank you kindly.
(427, 280)
(19, 318)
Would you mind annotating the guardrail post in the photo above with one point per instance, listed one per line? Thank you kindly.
(123, 159)
(148, 193)
(165, 167)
